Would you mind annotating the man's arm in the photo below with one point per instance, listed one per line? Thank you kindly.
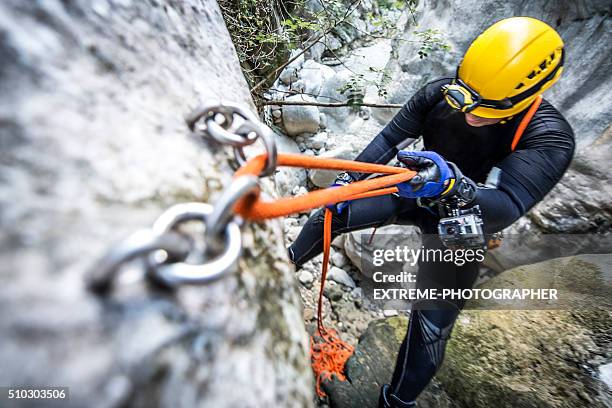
(515, 185)
(526, 175)
(407, 123)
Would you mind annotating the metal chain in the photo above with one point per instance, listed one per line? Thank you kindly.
(174, 258)
(235, 125)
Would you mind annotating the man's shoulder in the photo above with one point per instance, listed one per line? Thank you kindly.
(548, 119)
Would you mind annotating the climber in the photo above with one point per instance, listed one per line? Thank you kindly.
(468, 124)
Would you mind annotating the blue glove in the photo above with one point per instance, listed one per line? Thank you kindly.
(343, 179)
(433, 174)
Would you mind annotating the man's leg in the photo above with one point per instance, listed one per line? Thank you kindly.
(431, 323)
(360, 214)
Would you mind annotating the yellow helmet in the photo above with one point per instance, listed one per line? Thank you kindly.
(506, 67)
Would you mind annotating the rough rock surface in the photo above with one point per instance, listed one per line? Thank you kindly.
(323, 178)
(287, 179)
(537, 358)
(372, 366)
(359, 245)
(94, 147)
(300, 119)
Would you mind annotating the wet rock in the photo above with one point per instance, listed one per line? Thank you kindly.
(299, 119)
(340, 276)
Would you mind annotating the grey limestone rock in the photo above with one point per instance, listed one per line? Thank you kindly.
(94, 146)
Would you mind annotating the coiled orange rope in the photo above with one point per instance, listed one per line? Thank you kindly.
(328, 351)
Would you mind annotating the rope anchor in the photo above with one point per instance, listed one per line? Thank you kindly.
(174, 258)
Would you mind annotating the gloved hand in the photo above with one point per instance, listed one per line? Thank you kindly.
(433, 174)
(342, 180)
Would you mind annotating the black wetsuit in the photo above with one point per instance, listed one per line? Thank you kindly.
(515, 182)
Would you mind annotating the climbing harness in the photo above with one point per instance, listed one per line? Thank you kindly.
(172, 258)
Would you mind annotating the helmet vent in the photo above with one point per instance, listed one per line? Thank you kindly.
(519, 86)
(531, 75)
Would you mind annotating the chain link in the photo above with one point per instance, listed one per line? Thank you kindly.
(234, 125)
(213, 267)
(174, 258)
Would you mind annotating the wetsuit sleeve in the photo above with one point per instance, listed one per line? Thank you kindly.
(407, 124)
(527, 174)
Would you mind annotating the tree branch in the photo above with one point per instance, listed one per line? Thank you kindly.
(331, 104)
(274, 72)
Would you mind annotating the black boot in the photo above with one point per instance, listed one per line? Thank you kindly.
(388, 400)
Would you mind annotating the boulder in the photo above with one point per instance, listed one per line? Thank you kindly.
(314, 75)
(359, 245)
(290, 73)
(95, 147)
(536, 358)
(323, 178)
(331, 92)
(575, 217)
(300, 118)
(288, 178)
(371, 366)
(341, 276)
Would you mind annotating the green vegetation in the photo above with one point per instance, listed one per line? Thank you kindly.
(265, 31)
(431, 40)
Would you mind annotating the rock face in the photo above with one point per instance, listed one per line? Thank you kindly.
(578, 23)
(576, 216)
(94, 146)
(537, 358)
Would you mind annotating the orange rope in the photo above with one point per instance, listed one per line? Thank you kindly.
(254, 208)
(328, 351)
(525, 122)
